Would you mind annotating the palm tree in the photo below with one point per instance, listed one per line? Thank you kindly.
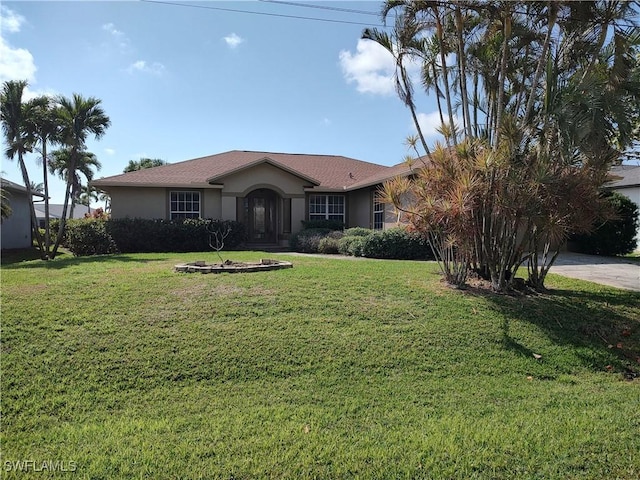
(14, 115)
(79, 117)
(143, 163)
(89, 194)
(106, 198)
(555, 93)
(401, 44)
(37, 187)
(43, 126)
(5, 208)
(85, 162)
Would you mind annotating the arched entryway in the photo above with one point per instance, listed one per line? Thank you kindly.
(262, 216)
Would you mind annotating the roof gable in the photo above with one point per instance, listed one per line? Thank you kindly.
(260, 161)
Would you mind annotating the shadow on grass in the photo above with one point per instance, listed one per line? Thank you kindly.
(14, 259)
(602, 327)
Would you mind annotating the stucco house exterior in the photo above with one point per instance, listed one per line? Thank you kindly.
(271, 193)
(15, 231)
(627, 183)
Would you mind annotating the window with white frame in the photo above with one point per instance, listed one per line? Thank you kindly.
(184, 205)
(326, 207)
(378, 214)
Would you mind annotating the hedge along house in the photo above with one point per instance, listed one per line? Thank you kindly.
(270, 193)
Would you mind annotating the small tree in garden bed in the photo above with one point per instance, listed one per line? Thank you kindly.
(217, 236)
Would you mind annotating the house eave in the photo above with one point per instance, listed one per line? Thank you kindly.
(215, 186)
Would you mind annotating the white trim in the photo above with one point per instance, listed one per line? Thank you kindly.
(326, 207)
(184, 213)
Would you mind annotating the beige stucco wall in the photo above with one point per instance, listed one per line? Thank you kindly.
(212, 207)
(138, 202)
(154, 202)
(228, 207)
(263, 176)
(359, 210)
(298, 212)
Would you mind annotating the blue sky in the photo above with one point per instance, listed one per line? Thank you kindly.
(180, 82)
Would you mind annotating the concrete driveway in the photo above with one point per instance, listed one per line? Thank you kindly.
(615, 272)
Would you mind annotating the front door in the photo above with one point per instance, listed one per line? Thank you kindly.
(262, 216)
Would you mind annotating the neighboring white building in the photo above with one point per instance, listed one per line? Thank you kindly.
(628, 185)
(55, 211)
(15, 231)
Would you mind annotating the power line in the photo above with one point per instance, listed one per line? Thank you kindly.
(297, 17)
(322, 7)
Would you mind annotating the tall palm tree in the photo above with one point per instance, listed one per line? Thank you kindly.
(43, 126)
(13, 116)
(106, 198)
(143, 163)
(37, 187)
(401, 44)
(79, 118)
(89, 194)
(85, 162)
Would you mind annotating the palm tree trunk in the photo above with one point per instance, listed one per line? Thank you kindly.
(47, 225)
(502, 76)
(63, 220)
(541, 62)
(463, 73)
(445, 75)
(27, 183)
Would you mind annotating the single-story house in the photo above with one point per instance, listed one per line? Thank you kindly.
(627, 183)
(55, 211)
(15, 231)
(270, 193)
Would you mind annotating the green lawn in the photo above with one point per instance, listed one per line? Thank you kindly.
(333, 369)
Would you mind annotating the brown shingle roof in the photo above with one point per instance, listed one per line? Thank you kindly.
(329, 171)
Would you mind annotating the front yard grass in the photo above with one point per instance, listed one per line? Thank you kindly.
(332, 369)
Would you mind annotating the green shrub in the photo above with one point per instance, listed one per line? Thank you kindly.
(54, 225)
(328, 245)
(351, 245)
(138, 235)
(328, 224)
(89, 237)
(307, 241)
(396, 243)
(614, 237)
(358, 232)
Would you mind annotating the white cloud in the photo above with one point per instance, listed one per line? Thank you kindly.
(371, 67)
(154, 68)
(10, 20)
(118, 36)
(111, 28)
(430, 123)
(109, 151)
(15, 63)
(233, 40)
